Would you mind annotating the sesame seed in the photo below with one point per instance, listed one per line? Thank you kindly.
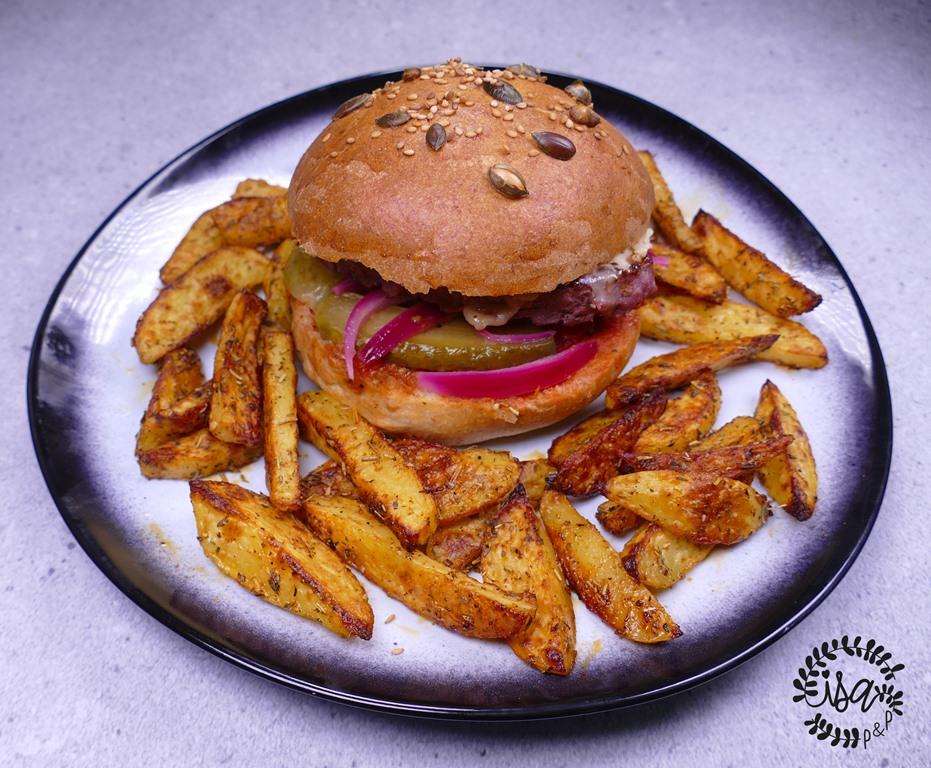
(412, 97)
(412, 129)
(325, 139)
(521, 129)
(449, 112)
(390, 618)
(350, 140)
(512, 134)
(463, 87)
(334, 153)
(508, 117)
(444, 122)
(469, 103)
(425, 127)
(625, 149)
(568, 123)
(553, 116)
(496, 112)
(400, 145)
(459, 130)
(376, 134)
(521, 105)
(506, 149)
(494, 102)
(434, 109)
(408, 152)
(533, 152)
(470, 134)
(579, 127)
(598, 135)
(392, 96)
(397, 651)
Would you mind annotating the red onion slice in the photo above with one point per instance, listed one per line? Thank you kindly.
(516, 338)
(510, 382)
(410, 322)
(659, 261)
(349, 285)
(362, 311)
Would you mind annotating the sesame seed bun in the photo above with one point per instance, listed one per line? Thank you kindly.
(425, 218)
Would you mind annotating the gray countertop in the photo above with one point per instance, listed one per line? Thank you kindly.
(831, 101)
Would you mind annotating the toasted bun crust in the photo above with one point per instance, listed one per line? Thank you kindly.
(387, 395)
(425, 218)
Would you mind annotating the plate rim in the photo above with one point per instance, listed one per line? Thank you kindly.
(545, 710)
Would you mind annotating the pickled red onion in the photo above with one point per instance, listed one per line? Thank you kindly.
(349, 285)
(659, 261)
(411, 321)
(516, 338)
(364, 308)
(510, 382)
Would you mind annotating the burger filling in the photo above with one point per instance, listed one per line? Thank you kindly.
(507, 345)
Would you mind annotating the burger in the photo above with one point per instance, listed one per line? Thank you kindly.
(473, 246)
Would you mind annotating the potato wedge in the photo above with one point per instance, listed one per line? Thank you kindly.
(685, 419)
(329, 479)
(447, 597)
(658, 558)
(276, 557)
(202, 238)
(279, 420)
(463, 482)
(685, 320)
(791, 477)
(733, 461)
(182, 417)
(258, 188)
(389, 486)
(520, 558)
(198, 454)
(534, 474)
(677, 368)
(253, 222)
(179, 373)
(195, 300)
(276, 291)
(596, 573)
(741, 430)
(236, 401)
(666, 213)
(586, 456)
(688, 273)
(704, 508)
(459, 545)
(750, 272)
(617, 519)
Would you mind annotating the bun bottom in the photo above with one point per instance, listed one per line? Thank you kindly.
(387, 395)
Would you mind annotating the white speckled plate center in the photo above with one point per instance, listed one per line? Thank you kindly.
(87, 392)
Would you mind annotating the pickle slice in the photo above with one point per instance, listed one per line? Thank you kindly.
(308, 278)
(451, 346)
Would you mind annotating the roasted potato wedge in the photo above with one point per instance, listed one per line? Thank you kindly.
(198, 454)
(196, 299)
(733, 461)
(685, 419)
(534, 475)
(202, 238)
(596, 573)
(258, 188)
(520, 558)
(459, 545)
(750, 272)
(450, 598)
(688, 273)
(276, 557)
(586, 456)
(279, 420)
(658, 558)
(741, 430)
(666, 213)
(236, 401)
(677, 368)
(791, 477)
(179, 373)
(329, 479)
(253, 222)
(463, 482)
(384, 479)
(686, 320)
(616, 518)
(276, 291)
(182, 417)
(704, 508)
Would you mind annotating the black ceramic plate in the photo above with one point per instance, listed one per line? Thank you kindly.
(87, 392)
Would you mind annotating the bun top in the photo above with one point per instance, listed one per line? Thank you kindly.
(403, 180)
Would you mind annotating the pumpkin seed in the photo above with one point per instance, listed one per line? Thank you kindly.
(393, 119)
(507, 180)
(524, 69)
(554, 144)
(503, 92)
(584, 116)
(577, 90)
(436, 137)
(350, 106)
